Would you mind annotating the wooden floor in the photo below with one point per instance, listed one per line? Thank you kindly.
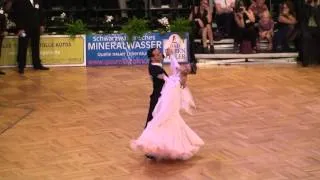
(258, 122)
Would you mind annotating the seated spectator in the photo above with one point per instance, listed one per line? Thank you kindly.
(245, 20)
(202, 18)
(258, 7)
(224, 16)
(266, 25)
(286, 27)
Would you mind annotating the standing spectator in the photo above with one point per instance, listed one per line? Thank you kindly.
(3, 23)
(310, 30)
(29, 19)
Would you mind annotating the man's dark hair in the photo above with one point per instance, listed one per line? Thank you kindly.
(195, 2)
(150, 52)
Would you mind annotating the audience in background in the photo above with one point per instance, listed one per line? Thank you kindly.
(246, 32)
(258, 7)
(224, 16)
(266, 26)
(310, 32)
(202, 18)
(286, 30)
(250, 21)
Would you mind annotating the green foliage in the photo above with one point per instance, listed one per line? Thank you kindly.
(181, 26)
(135, 27)
(77, 27)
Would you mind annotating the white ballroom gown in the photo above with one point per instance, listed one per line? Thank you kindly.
(167, 136)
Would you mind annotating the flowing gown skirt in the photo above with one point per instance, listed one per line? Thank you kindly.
(167, 136)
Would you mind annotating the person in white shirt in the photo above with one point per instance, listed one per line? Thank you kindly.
(224, 16)
(29, 19)
(3, 22)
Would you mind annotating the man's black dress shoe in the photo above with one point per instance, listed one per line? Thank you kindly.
(41, 68)
(150, 157)
(21, 71)
(2, 73)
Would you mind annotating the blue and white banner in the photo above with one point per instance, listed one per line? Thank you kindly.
(114, 49)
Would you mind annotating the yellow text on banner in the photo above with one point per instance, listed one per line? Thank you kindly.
(54, 50)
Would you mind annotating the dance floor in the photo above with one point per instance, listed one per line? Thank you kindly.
(258, 122)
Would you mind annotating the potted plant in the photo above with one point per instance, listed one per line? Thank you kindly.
(135, 27)
(109, 23)
(180, 26)
(76, 27)
(163, 25)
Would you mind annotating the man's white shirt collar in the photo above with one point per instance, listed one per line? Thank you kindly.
(32, 2)
(157, 64)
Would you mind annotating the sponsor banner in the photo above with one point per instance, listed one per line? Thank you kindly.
(55, 50)
(114, 49)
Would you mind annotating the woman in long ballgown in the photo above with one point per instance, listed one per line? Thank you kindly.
(167, 136)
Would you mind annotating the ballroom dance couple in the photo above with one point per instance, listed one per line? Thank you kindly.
(166, 135)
